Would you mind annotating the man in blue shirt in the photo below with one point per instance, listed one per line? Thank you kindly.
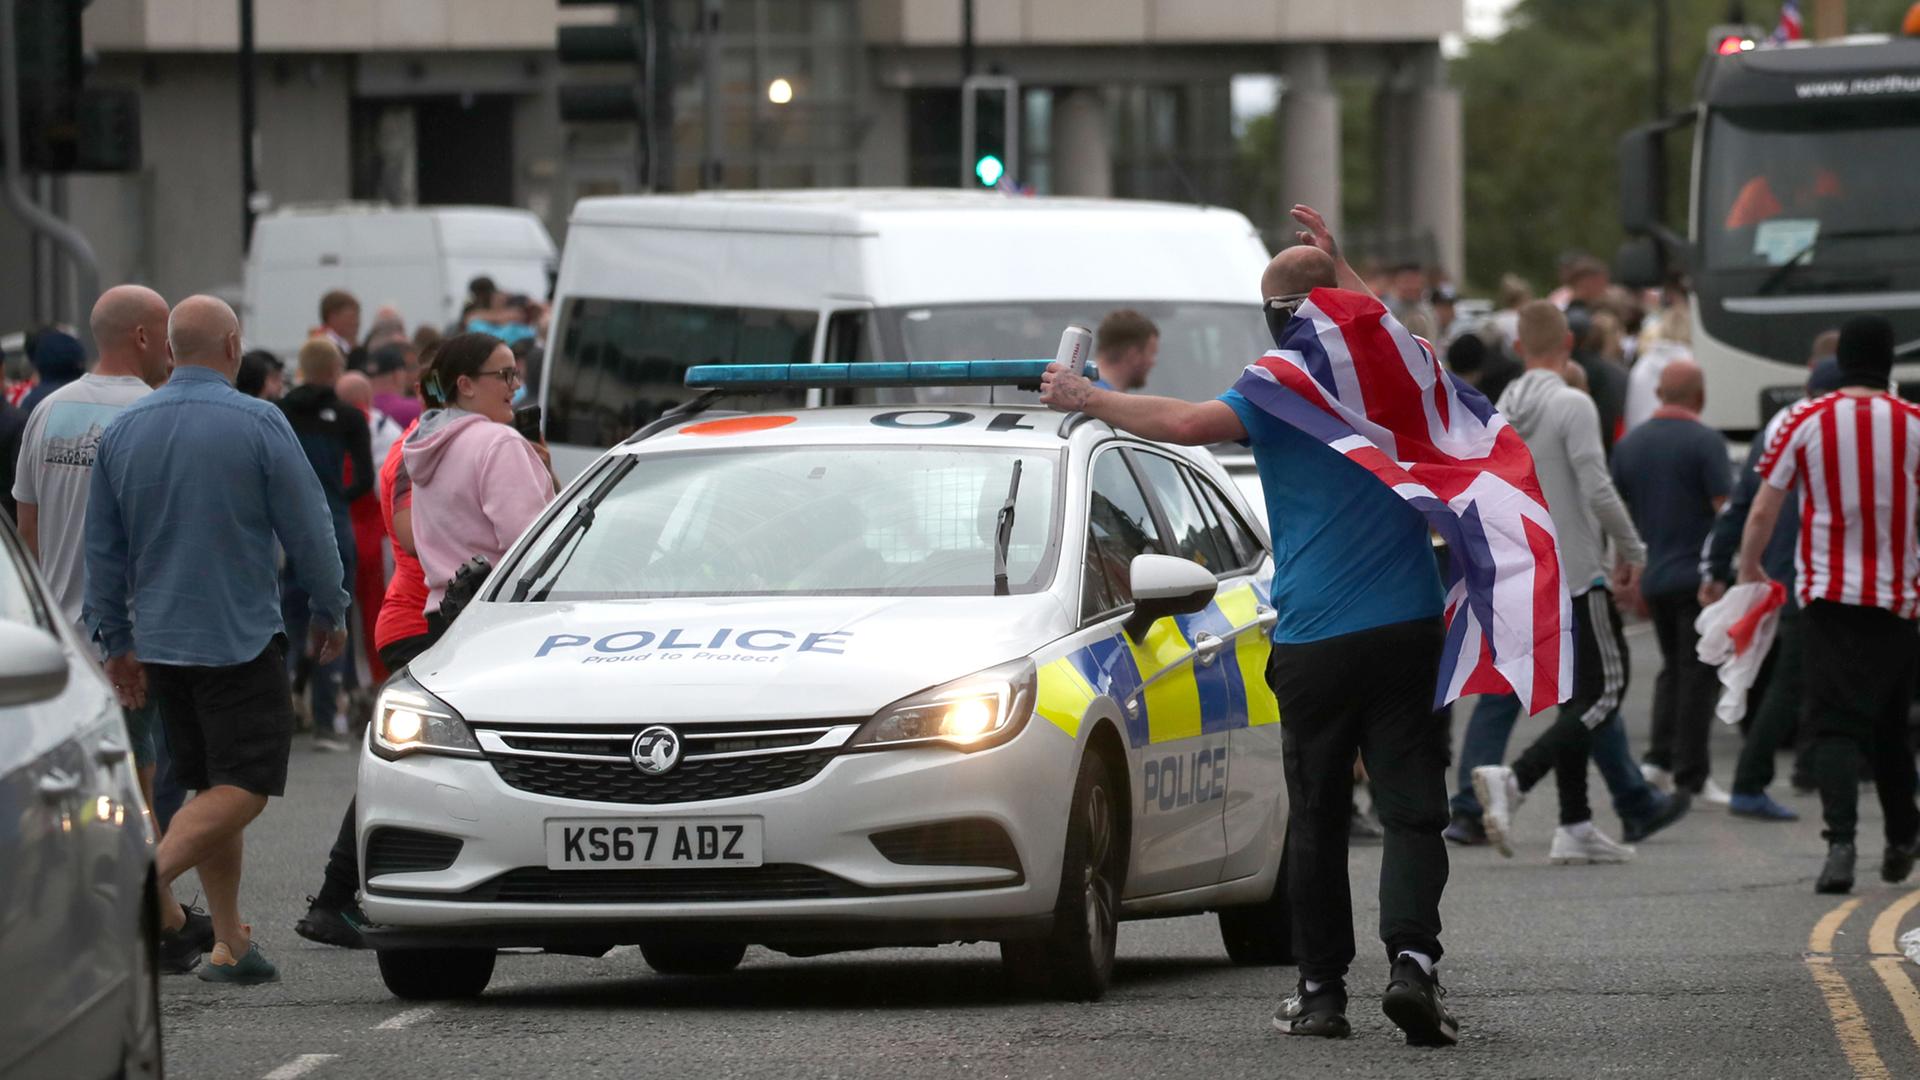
(1356, 657)
(191, 486)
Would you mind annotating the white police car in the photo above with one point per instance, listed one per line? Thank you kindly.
(837, 678)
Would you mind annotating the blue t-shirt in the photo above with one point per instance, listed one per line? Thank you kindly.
(1349, 554)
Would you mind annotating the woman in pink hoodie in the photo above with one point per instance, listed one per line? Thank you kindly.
(477, 482)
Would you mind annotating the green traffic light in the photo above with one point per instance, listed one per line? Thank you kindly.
(989, 169)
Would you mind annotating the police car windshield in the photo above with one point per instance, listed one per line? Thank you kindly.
(1203, 347)
(808, 521)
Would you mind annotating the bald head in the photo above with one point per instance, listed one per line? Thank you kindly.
(204, 332)
(356, 390)
(1299, 269)
(129, 325)
(1682, 383)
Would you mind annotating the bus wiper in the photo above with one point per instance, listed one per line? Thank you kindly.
(1786, 269)
(577, 524)
(1003, 532)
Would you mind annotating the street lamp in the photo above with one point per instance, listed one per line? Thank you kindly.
(779, 91)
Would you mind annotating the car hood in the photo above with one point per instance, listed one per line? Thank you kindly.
(722, 659)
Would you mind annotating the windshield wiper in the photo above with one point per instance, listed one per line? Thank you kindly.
(577, 524)
(1786, 269)
(1003, 532)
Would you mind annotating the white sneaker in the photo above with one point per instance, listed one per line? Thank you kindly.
(1713, 793)
(1500, 795)
(1661, 779)
(1578, 845)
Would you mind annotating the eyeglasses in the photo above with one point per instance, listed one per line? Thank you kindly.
(507, 375)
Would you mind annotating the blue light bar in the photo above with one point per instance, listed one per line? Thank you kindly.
(926, 373)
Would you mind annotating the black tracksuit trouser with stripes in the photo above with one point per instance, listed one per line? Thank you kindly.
(1599, 685)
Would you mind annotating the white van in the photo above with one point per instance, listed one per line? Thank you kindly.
(419, 259)
(651, 284)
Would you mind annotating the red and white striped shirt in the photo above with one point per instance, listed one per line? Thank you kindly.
(1860, 460)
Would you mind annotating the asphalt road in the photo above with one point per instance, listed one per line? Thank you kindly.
(1706, 957)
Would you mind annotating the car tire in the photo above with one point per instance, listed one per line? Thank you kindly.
(436, 974)
(1261, 935)
(692, 957)
(142, 1058)
(1075, 960)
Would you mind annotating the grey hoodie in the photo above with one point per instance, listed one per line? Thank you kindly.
(1561, 428)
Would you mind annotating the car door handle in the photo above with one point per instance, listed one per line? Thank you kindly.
(56, 785)
(1207, 648)
(109, 752)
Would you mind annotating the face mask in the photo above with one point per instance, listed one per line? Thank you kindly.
(1280, 311)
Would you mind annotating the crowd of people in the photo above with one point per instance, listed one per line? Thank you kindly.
(245, 557)
(248, 560)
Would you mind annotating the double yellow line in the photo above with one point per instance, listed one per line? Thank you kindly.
(1849, 1023)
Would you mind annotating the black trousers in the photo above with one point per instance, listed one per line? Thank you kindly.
(1369, 692)
(1860, 669)
(1779, 707)
(343, 861)
(1684, 693)
(1599, 684)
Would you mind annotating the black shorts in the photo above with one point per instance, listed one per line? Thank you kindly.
(228, 725)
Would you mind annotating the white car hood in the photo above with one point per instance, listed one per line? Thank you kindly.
(776, 658)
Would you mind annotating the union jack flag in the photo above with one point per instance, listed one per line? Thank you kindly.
(1790, 28)
(1348, 374)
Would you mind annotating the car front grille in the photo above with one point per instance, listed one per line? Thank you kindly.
(968, 842)
(776, 881)
(694, 781)
(393, 850)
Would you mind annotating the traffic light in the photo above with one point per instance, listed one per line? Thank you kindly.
(635, 48)
(989, 130)
(66, 126)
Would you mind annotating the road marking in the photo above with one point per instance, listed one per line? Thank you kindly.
(405, 1019)
(1891, 970)
(299, 1066)
(1887, 927)
(1849, 1024)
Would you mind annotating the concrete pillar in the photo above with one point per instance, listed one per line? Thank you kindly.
(1082, 143)
(1437, 207)
(1309, 142)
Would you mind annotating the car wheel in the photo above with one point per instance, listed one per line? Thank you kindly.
(692, 957)
(436, 974)
(1075, 959)
(1261, 935)
(141, 1059)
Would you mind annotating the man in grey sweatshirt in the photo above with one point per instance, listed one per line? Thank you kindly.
(1561, 427)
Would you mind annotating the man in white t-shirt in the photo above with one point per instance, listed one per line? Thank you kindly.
(56, 457)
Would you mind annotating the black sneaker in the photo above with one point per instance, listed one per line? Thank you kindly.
(1321, 1013)
(1837, 875)
(180, 950)
(333, 925)
(1897, 863)
(1466, 831)
(1670, 809)
(1412, 1002)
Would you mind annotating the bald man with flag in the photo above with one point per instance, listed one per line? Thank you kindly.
(1365, 444)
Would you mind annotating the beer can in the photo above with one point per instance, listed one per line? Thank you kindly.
(1076, 349)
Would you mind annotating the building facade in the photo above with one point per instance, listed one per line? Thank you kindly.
(454, 101)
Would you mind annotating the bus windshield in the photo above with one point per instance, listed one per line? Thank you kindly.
(1811, 186)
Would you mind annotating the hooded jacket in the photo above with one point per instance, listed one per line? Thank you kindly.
(477, 485)
(1561, 428)
(333, 434)
(59, 359)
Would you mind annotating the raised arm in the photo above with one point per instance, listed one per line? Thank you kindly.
(1314, 231)
(1161, 419)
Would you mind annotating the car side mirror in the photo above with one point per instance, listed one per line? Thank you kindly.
(1164, 585)
(33, 666)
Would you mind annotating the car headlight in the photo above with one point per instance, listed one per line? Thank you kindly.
(408, 720)
(980, 710)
